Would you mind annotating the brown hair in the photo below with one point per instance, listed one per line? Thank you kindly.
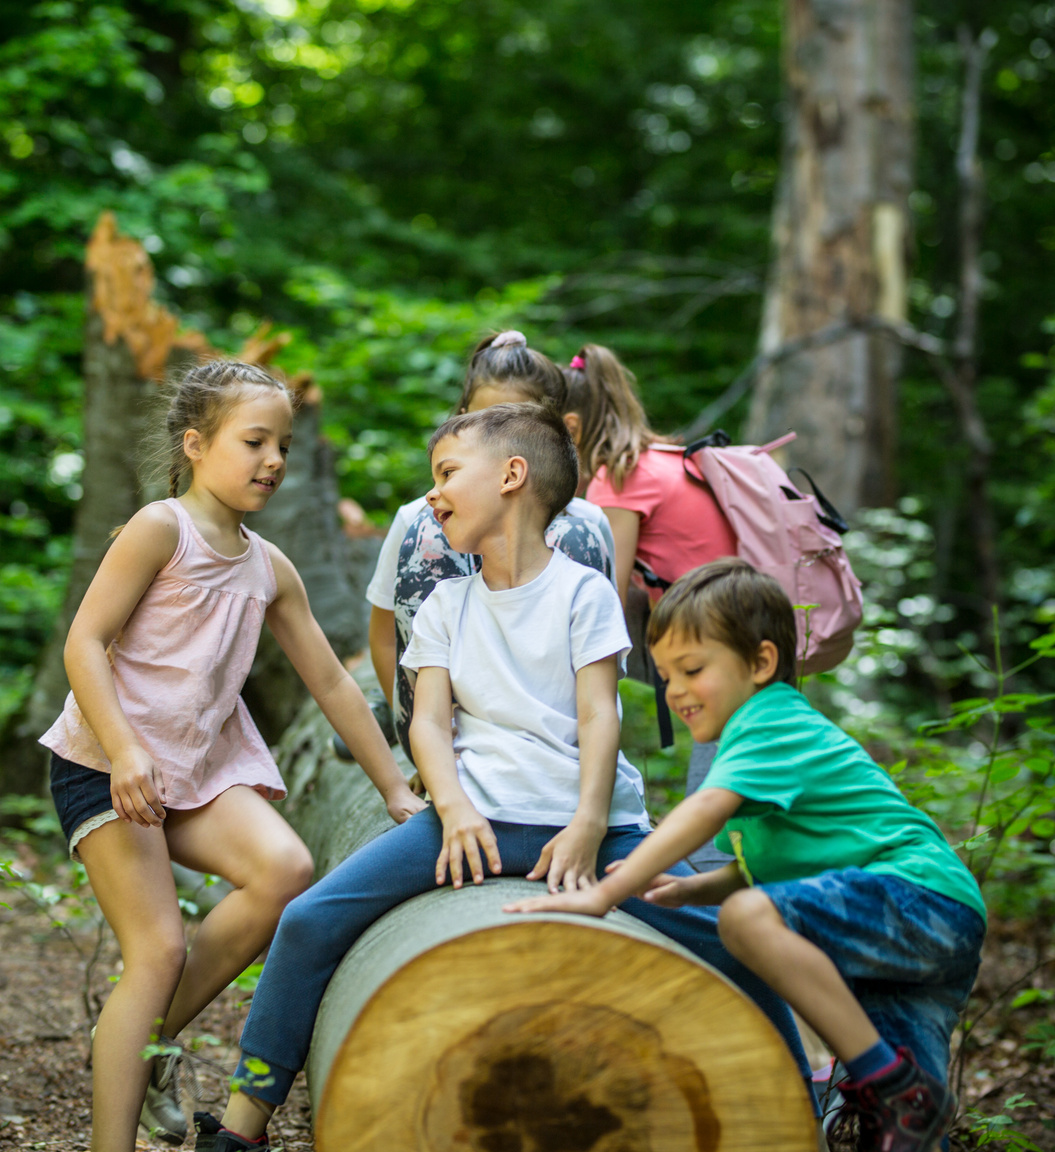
(202, 399)
(733, 603)
(513, 364)
(615, 430)
(534, 431)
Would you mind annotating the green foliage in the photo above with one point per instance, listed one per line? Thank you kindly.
(389, 179)
(391, 368)
(1000, 1129)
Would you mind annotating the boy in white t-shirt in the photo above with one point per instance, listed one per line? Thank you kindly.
(516, 736)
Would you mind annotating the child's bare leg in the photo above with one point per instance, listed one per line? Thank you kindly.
(247, 1115)
(132, 879)
(755, 933)
(240, 837)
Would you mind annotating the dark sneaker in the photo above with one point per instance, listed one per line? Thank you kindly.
(162, 1115)
(905, 1110)
(212, 1137)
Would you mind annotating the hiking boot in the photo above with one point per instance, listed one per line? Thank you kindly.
(213, 1137)
(904, 1110)
(162, 1115)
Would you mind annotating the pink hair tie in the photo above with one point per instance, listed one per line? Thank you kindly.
(510, 339)
(577, 362)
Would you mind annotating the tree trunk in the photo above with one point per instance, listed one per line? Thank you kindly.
(452, 1025)
(128, 342)
(841, 235)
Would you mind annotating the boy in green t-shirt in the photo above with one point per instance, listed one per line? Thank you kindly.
(844, 898)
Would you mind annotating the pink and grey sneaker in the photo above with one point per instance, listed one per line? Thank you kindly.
(213, 1137)
(903, 1110)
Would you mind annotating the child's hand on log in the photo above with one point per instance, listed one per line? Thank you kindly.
(670, 891)
(402, 803)
(570, 858)
(584, 901)
(465, 832)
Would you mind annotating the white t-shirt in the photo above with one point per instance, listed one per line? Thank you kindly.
(512, 656)
(381, 590)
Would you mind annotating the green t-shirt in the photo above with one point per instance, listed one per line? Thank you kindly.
(815, 801)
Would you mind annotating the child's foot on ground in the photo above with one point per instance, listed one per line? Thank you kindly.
(903, 1110)
(212, 1137)
(162, 1115)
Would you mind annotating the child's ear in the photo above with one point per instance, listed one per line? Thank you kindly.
(766, 662)
(573, 422)
(192, 444)
(514, 474)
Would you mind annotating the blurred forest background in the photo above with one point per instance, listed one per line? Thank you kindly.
(384, 180)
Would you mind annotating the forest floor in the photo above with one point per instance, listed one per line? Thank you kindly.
(49, 986)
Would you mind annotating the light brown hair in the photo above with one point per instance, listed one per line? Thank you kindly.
(534, 431)
(733, 603)
(202, 399)
(614, 429)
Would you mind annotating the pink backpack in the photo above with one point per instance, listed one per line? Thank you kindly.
(792, 536)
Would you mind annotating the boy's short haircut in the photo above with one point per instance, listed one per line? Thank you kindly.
(733, 603)
(535, 431)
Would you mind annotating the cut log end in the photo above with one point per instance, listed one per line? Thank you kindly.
(542, 1034)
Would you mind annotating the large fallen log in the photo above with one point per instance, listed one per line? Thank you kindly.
(453, 1027)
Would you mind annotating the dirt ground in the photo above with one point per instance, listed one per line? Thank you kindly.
(47, 995)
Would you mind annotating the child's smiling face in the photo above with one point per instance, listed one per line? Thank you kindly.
(466, 493)
(707, 681)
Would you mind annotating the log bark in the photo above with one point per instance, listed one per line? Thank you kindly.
(841, 238)
(453, 1026)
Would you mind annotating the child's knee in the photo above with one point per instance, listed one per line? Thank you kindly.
(161, 952)
(296, 868)
(743, 918)
(285, 872)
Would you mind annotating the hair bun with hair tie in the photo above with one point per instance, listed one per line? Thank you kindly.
(577, 362)
(510, 339)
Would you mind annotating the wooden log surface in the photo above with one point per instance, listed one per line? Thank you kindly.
(454, 1027)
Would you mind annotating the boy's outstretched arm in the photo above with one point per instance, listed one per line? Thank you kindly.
(465, 831)
(694, 821)
(570, 858)
(290, 618)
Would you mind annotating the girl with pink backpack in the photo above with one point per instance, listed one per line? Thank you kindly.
(674, 508)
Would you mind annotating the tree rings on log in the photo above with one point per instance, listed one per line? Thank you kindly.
(453, 1027)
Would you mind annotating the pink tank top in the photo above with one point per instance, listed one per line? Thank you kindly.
(179, 665)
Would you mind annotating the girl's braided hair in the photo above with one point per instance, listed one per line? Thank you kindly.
(201, 400)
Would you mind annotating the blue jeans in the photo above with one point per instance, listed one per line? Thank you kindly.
(908, 954)
(318, 928)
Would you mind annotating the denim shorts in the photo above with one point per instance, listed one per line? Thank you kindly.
(82, 800)
(909, 955)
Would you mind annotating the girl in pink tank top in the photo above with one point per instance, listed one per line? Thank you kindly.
(155, 757)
